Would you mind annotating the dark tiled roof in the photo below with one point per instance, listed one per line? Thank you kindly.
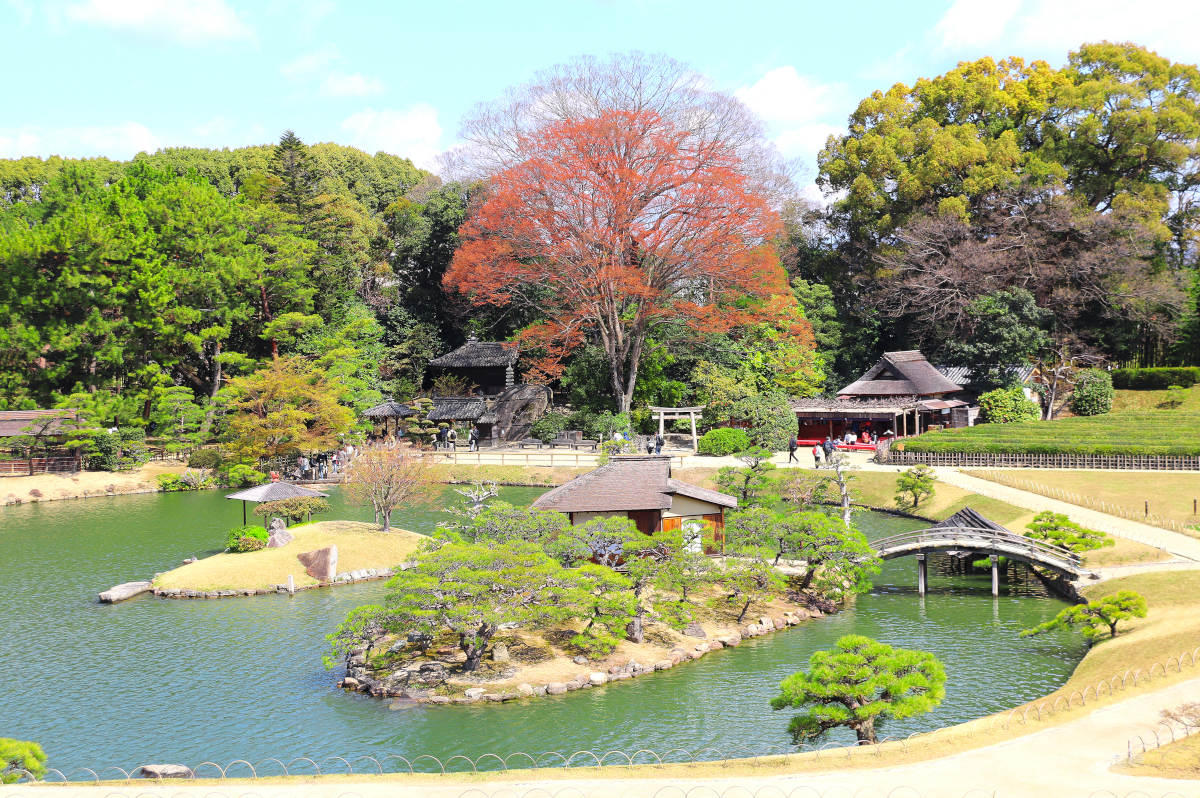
(456, 408)
(390, 409)
(967, 518)
(962, 374)
(641, 482)
(905, 373)
(478, 354)
(14, 423)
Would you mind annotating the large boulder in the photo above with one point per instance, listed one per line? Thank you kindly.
(431, 674)
(278, 534)
(500, 653)
(320, 564)
(165, 772)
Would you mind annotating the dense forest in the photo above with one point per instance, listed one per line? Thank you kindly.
(1000, 213)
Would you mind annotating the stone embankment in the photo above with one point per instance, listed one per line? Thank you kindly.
(428, 682)
(349, 577)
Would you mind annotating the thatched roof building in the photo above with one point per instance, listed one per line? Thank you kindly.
(487, 364)
(900, 374)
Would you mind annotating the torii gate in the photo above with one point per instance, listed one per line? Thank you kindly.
(674, 413)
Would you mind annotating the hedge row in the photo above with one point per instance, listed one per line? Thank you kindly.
(1156, 379)
(1115, 433)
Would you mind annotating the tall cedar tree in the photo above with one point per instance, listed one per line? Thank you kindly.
(622, 201)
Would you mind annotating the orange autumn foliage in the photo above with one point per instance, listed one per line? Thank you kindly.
(614, 225)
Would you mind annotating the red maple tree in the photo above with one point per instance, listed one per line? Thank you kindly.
(613, 225)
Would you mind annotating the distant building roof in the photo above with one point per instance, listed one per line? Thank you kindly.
(964, 377)
(14, 423)
(457, 408)
(627, 482)
(905, 373)
(390, 409)
(966, 518)
(476, 354)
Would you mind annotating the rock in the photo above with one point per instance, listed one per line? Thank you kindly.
(357, 659)
(556, 688)
(663, 664)
(431, 674)
(500, 653)
(189, 560)
(579, 659)
(779, 624)
(474, 693)
(634, 667)
(597, 678)
(693, 630)
(540, 690)
(702, 648)
(125, 590)
(494, 697)
(438, 699)
(165, 772)
(618, 677)
(350, 683)
(751, 630)
(278, 534)
(415, 694)
(714, 645)
(615, 669)
(765, 623)
(320, 564)
(525, 689)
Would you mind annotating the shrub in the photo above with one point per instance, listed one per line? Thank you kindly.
(723, 441)
(1007, 405)
(243, 476)
(297, 509)
(1057, 529)
(205, 458)
(121, 450)
(19, 756)
(770, 418)
(1093, 395)
(1156, 379)
(913, 485)
(246, 538)
(548, 427)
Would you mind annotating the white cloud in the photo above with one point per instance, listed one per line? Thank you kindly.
(183, 20)
(311, 63)
(340, 84)
(974, 23)
(807, 140)
(120, 141)
(413, 132)
(785, 96)
(1051, 28)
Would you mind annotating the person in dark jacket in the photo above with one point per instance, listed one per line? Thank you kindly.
(793, 445)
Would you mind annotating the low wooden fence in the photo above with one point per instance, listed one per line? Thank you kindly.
(535, 457)
(1122, 462)
(38, 465)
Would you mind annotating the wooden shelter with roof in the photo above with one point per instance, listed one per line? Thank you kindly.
(488, 364)
(641, 488)
(902, 393)
(389, 410)
(32, 442)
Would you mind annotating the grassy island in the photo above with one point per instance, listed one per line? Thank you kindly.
(360, 546)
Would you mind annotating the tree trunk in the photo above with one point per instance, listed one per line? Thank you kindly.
(266, 311)
(809, 573)
(387, 519)
(865, 731)
(745, 607)
(209, 411)
(634, 629)
(475, 650)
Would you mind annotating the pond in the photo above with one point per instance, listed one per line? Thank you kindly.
(153, 680)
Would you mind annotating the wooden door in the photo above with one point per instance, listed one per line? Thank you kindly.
(647, 520)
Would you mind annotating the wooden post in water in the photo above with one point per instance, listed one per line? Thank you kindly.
(922, 574)
(995, 575)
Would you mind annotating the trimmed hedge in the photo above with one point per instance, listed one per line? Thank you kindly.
(1144, 432)
(723, 441)
(1156, 379)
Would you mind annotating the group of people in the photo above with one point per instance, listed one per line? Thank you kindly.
(321, 466)
(447, 439)
(824, 450)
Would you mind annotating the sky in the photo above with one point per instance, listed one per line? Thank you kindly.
(115, 77)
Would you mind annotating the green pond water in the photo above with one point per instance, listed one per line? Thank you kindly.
(154, 680)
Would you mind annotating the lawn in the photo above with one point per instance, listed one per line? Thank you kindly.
(1152, 432)
(1157, 400)
(1177, 760)
(359, 546)
(1171, 495)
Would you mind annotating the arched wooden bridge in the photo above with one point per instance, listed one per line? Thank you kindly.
(967, 533)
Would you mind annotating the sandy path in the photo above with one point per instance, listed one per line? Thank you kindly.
(1072, 759)
(85, 484)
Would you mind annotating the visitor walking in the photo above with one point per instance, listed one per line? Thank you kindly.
(336, 462)
(816, 455)
(302, 467)
(828, 446)
(451, 438)
(658, 443)
(473, 439)
(793, 445)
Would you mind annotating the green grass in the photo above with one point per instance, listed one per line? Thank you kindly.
(1157, 400)
(1150, 432)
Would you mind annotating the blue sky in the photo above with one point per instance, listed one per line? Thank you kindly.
(113, 77)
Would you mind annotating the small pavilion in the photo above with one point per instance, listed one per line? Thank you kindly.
(273, 492)
(390, 410)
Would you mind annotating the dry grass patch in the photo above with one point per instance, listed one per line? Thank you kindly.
(1177, 760)
(1156, 400)
(1124, 552)
(359, 545)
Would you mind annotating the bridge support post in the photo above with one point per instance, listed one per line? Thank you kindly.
(995, 575)
(922, 574)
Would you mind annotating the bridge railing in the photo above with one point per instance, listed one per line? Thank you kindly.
(936, 535)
